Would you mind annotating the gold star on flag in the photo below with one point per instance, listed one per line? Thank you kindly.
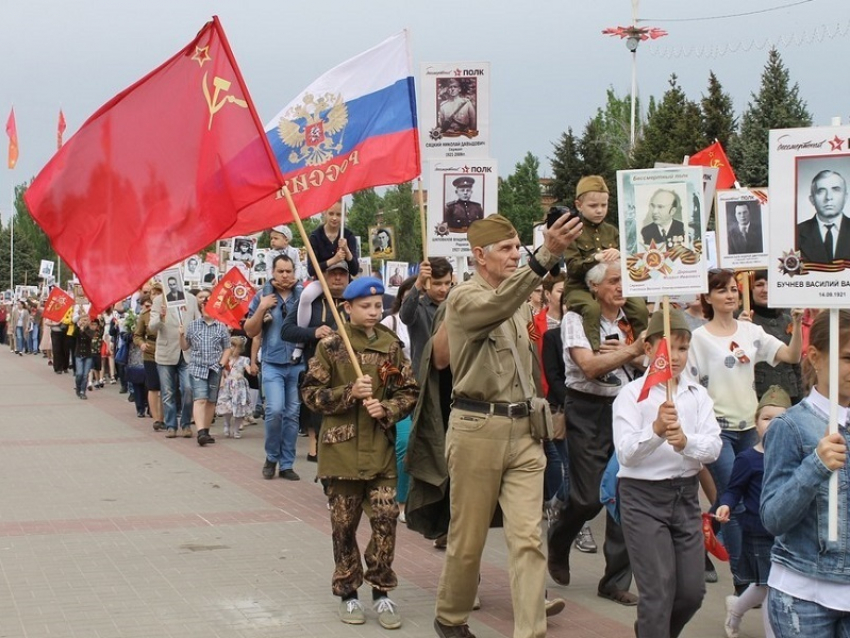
(201, 55)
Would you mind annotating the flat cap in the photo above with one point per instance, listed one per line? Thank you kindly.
(363, 287)
(284, 230)
(677, 322)
(490, 230)
(591, 184)
(463, 182)
(340, 265)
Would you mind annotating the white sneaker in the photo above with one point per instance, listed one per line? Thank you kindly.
(237, 433)
(388, 615)
(733, 620)
(351, 612)
(226, 432)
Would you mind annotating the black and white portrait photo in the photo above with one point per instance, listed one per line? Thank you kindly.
(823, 224)
(243, 249)
(744, 227)
(381, 242)
(192, 269)
(175, 293)
(456, 107)
(462, 209)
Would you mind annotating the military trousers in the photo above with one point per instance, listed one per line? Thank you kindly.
(493, 459)
(348, 500)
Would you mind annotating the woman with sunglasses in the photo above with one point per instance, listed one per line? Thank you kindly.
(722, 358)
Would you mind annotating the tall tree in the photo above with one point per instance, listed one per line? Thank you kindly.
(718, 114)
(614, 122)
(672, 130)
(402, 211)
(776, 105)
(566, 168)
(519, 197)
(363, 212)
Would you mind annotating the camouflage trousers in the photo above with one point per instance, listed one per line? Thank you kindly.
(348, 500)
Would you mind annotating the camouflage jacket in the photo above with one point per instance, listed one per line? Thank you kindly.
(353, 445)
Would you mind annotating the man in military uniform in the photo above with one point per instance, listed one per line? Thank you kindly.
(490, 452)
(460, 213)
(456, 115)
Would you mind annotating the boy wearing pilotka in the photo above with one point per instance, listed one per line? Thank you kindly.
(357, 459)
(661, 446)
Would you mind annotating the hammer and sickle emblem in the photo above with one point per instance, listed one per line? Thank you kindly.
(213, 103)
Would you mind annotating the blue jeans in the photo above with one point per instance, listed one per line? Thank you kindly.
(168, 378)
(33, 335)
(19, 339)
(556, 479)
(283, 401)
(793, 618)
(721, 471)
(402, 434)
(84, 365)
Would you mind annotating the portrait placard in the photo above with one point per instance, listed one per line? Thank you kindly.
(809, 247)
(459, 194)
(172, 286)
(382, 242)
(209, 274)
(243, 249)
(365, 267)
(45, 270)
(742, 226)
(192, 269)
(395, 273)
(454, 109)
(261, 266)
(709, 184)
(662, 223)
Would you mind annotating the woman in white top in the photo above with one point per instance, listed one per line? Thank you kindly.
(722, 358)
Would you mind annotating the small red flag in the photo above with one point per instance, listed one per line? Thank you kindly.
(230, 299)
(157, 173)
(714, 157)
(212, 258)
(60, 129)
(12, 132)
(57, 304)
(659, 370)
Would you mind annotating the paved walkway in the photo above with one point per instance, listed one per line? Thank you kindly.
(108, 529)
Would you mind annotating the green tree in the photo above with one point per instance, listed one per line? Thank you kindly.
(566, 168)
(672, 130)
(776, 105)
(519, 197)
(401, 209)
(614, 126)
(363, 212)
(718, 114)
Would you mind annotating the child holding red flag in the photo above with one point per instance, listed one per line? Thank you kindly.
(661, 446)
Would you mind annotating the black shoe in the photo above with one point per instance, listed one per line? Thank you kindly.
(83, 396)
(204, 438)
(452, 631)
(289, 475)
(121, 391)
(131, 398)
(140, 415)
(258, 413)
(560, 573)
(313, 458)
(158, 425)
(268, 469)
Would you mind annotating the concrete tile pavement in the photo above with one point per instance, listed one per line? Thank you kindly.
(109, 529)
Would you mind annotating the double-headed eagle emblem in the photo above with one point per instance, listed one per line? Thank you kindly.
(314, 128)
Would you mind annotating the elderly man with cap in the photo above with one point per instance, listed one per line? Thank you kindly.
(598, 243)
(280, 239)
(491, 454)
(277, 300)
(460, 213)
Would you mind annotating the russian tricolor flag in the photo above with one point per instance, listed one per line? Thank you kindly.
(353, 128)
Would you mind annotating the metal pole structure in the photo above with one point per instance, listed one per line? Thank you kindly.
(634, 95)
(12, 242)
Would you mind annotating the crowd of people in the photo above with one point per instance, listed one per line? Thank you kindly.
(511, 399)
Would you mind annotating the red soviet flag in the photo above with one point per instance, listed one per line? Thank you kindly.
(57, 304)
(659, 370)
(230, 299)
(714, 157)
(158, 173)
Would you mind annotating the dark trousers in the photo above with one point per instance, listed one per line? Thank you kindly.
(590, 445)
(662, 526)
(60, 355)
(71, 349)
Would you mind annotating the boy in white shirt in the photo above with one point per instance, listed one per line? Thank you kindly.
(661, 446)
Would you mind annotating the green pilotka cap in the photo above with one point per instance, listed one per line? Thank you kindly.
(656, 322)
(774, 396)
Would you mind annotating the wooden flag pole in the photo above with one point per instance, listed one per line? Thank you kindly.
(832, 503)
(665, 306)
(424, 227)
(746, 292)
(321, 277)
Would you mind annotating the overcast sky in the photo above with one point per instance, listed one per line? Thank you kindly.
(550, 63)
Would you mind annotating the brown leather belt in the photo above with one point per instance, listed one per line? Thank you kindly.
(510, 410)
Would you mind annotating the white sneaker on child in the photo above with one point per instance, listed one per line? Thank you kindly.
(226, 431)
(733, 621)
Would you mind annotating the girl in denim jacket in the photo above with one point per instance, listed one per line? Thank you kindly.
(810, 575)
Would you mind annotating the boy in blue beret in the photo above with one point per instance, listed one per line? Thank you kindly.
(357, 446)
